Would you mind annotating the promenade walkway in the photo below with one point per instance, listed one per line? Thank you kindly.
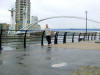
(41, 60)
(86, 45)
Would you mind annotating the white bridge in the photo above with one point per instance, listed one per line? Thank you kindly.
(28, 27)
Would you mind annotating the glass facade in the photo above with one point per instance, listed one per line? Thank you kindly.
(20, 4)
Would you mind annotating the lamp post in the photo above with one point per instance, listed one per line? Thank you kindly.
(86, 21)
(12, 27)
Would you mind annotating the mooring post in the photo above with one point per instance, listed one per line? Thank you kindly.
(1, 38)
(79, 37)
(84, 36)
(42, 44)
(88, 36)
(73, 37)
(25, 39)
(0, 41)
(94, 36)
(56, 38)
(99, 36)
(64, 39)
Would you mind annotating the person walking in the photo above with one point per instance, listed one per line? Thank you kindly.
(48, 34)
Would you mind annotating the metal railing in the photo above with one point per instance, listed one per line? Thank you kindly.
(55, 37)
(80, 37)
(4, 35)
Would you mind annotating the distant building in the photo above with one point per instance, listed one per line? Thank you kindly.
(35, 27)
(20, 5)
(34, 24)
(4, 26)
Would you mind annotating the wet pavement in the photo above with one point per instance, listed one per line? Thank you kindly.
(42, 60)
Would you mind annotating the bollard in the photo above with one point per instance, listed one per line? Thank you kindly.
(56, 38)
(64, 39)
(0, 42)
(73, 37)
(99, 36)
(84, 37)
(94, 36)
(79, 37)
(42, 44)
(25, 39)
(88, 36)
(1, 39)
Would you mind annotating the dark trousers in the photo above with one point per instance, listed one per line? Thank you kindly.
(48, 38)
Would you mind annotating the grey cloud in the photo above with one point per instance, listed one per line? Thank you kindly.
(43, 9)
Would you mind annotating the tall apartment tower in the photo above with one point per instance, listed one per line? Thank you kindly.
(20, 5)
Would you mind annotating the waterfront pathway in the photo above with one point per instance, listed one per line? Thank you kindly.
(43, 60)
(83, 45)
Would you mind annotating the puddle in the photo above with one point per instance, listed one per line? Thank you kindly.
(1, 62)
(59, 65)
(7, 48)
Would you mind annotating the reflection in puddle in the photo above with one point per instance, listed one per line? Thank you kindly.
(59, 65)
(1, 62)
(8, 48)
(21, 64)
(48, 51)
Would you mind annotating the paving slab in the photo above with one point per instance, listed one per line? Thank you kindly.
(38, 60)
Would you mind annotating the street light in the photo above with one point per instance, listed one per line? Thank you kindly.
(86, 21)
(12, 27)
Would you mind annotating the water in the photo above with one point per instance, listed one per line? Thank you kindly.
(13, 44)
(77, 29)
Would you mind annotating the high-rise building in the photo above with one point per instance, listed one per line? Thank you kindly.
(20, 5)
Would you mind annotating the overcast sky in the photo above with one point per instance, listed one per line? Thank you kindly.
(49, 8)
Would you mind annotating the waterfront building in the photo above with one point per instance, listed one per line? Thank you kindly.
(35, 27)
(21, 6)
(4, 26)
(34, 24)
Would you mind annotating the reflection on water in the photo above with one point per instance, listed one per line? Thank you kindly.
(59, 65)
(8, 48)
(13, 44)
(48, 51)
(1, 62)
